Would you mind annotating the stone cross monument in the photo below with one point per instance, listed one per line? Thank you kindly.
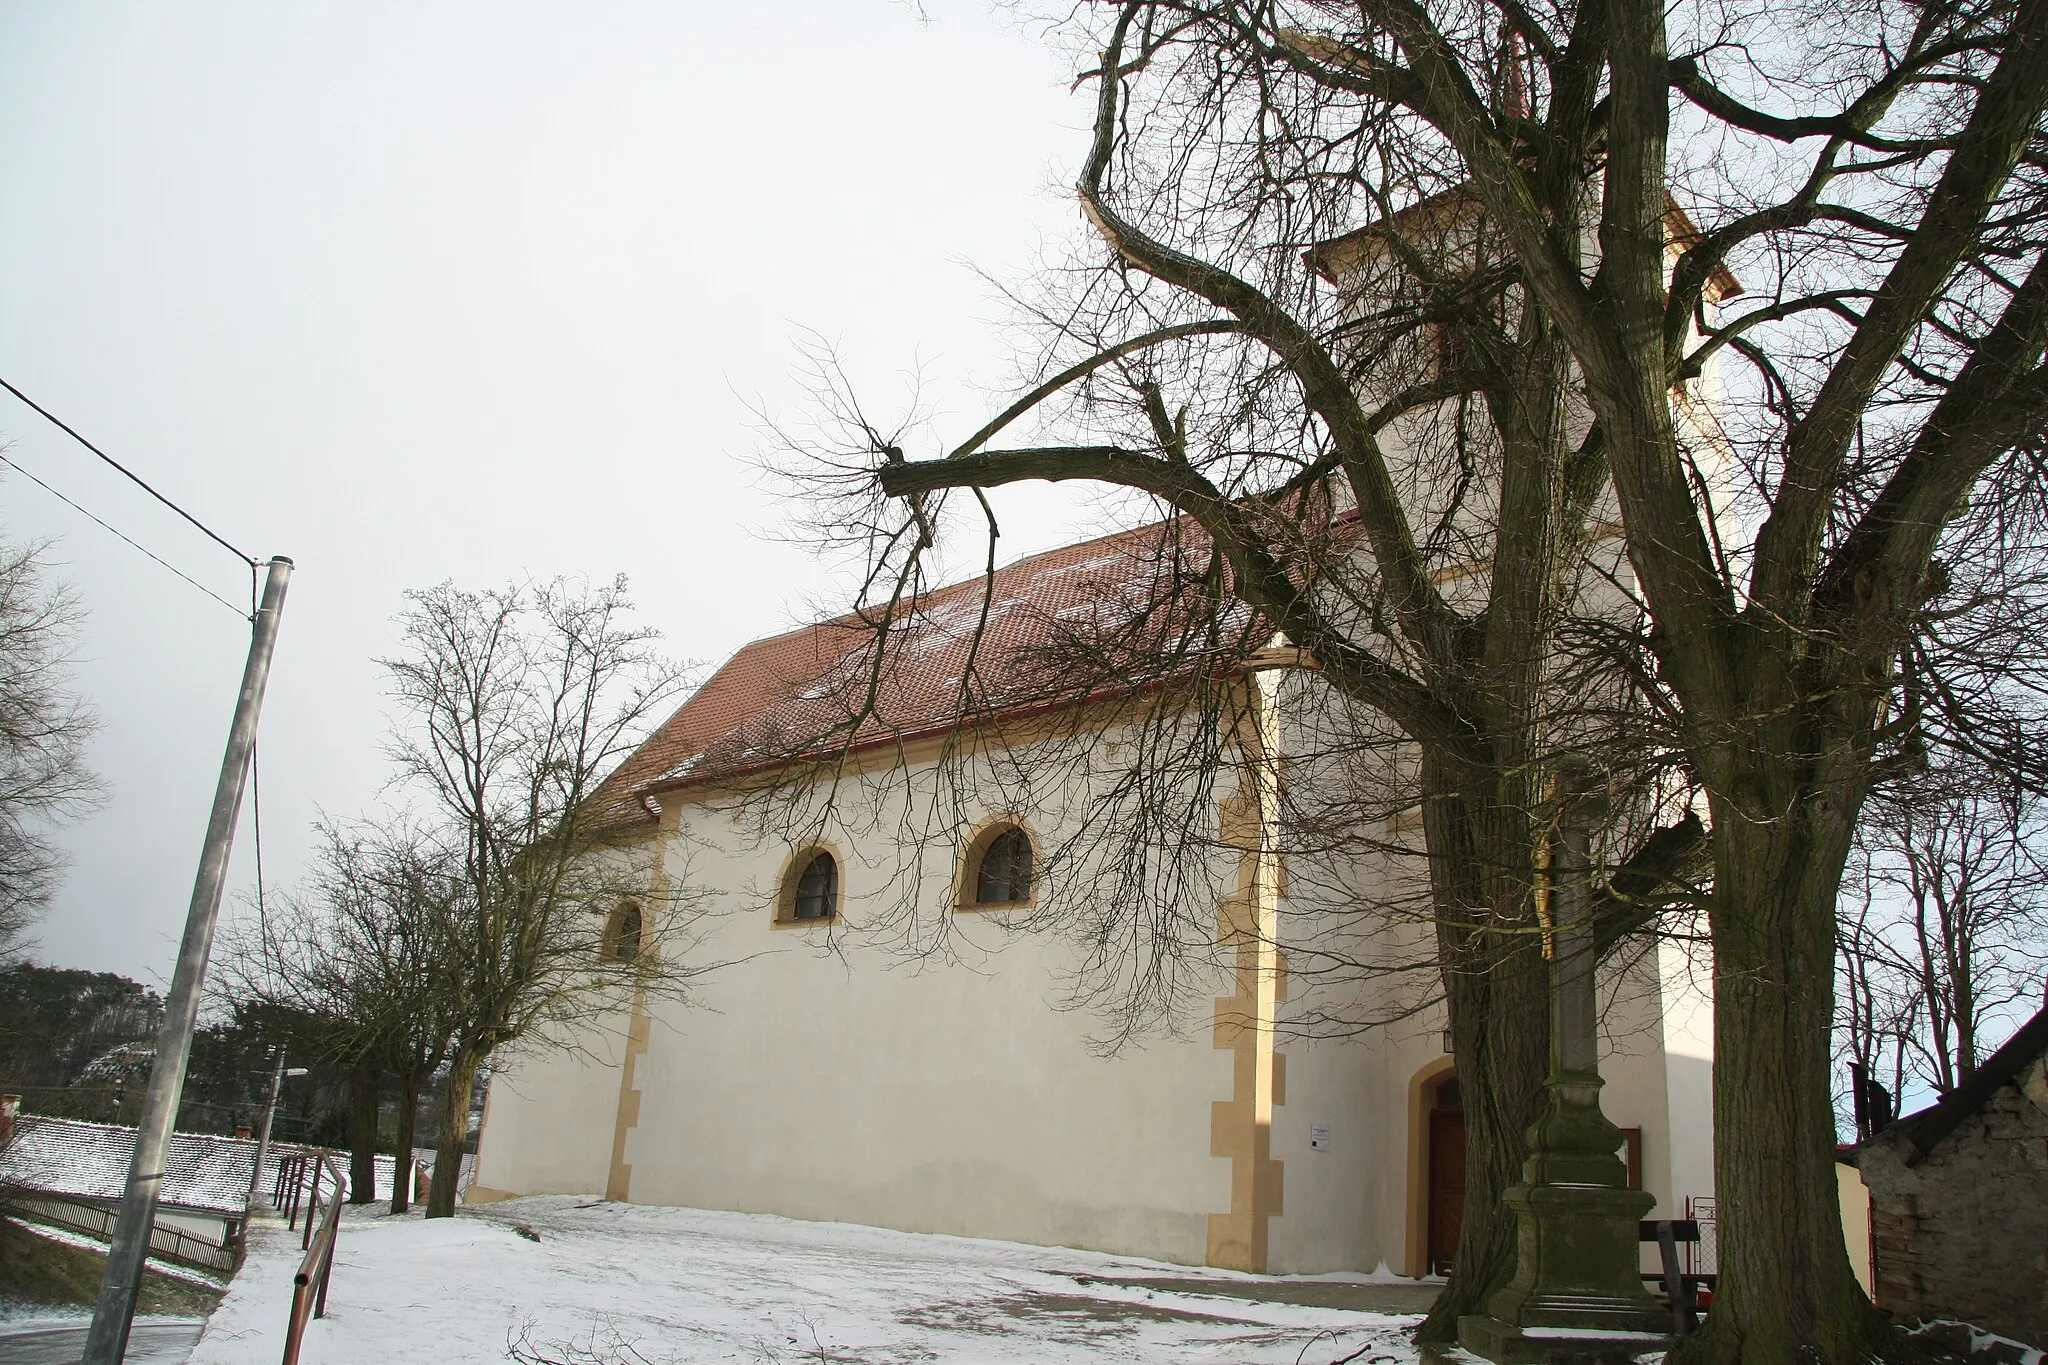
(1576, 1296)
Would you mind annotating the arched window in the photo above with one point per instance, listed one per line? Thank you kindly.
(817, 888)
(621, 935)
(1002, 876)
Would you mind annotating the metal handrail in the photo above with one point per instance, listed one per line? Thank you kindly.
(296, 1172)
(309, 1285)
(291, 1173)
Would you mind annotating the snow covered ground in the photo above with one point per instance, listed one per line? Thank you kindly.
(628, 1283)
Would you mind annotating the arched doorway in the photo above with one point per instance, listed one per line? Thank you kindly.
(1445, 1179)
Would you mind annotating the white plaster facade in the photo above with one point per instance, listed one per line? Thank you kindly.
(827, 1071)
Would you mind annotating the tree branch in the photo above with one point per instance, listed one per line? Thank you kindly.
(1651, 879)
(1425, 617)
(1159, 336)
(1262, 581)
(1851, 125)
(1998, 400)
(2000, 125)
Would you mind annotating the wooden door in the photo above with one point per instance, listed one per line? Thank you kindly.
(1446, 1186)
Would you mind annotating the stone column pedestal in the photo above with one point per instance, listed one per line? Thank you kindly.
(1577, 1297)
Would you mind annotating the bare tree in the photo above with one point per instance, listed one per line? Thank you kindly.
(1958, 940)
(516, 704)
(394, 903)
(1826, 494)
(299, 967)
(357, 956)
(44, 728)
(426, 904)
(1877, 1013)
(1371, 457)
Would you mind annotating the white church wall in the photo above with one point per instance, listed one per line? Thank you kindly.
(1632, 1062)
(1357, 1198)
(831, 1077)
(1363, 1202)
(1685, 972)
(1359, 1024)
(1362, 1035)
(1632, 1065)
(827, 1080)
(1334, 1089)
(1659, 1069)
(911, 1066)
(549, 1115)
(904, 1065)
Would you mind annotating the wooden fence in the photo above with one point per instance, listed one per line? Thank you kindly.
(166, 1241)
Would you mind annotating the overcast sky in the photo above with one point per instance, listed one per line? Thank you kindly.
(411, 292)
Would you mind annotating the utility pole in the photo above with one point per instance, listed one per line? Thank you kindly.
(269, 1117)
(107, 1341)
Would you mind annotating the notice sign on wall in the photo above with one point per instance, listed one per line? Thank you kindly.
(1319, 1137)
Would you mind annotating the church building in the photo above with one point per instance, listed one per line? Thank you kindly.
(899, 1037)
(956, 996)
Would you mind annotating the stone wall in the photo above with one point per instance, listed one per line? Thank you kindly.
(1963, 1233)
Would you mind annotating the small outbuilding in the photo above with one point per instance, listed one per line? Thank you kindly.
(72, 1174)
(1959, 1198)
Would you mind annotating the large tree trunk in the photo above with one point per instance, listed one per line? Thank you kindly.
(1499, 1030)
(362, 1134)
(408, 1112)
(1496, 989)
(1786, 1290)
(454, 1133)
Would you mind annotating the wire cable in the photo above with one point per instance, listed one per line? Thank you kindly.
(130, 474)
(255, 773)
(103, 525)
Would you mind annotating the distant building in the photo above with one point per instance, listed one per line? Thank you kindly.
(1959, 1198)
(73, 1174)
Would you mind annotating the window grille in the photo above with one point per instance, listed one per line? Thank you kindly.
(1004, 876)
(817, 890)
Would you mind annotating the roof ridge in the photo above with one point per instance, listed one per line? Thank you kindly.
(1925, 1128)
(121, 1127)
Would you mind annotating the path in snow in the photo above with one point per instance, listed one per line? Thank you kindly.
(149, 1343)
(607, 1280)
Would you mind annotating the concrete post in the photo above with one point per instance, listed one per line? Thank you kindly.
(263, 1142)
(107, 1340)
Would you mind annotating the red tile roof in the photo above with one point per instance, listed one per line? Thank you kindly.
(804, 691)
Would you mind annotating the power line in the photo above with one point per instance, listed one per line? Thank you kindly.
(203, 528)
(137, 545)
(128, 473)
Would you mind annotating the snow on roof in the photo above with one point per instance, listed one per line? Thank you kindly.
(778, 695)
(90, 1161)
